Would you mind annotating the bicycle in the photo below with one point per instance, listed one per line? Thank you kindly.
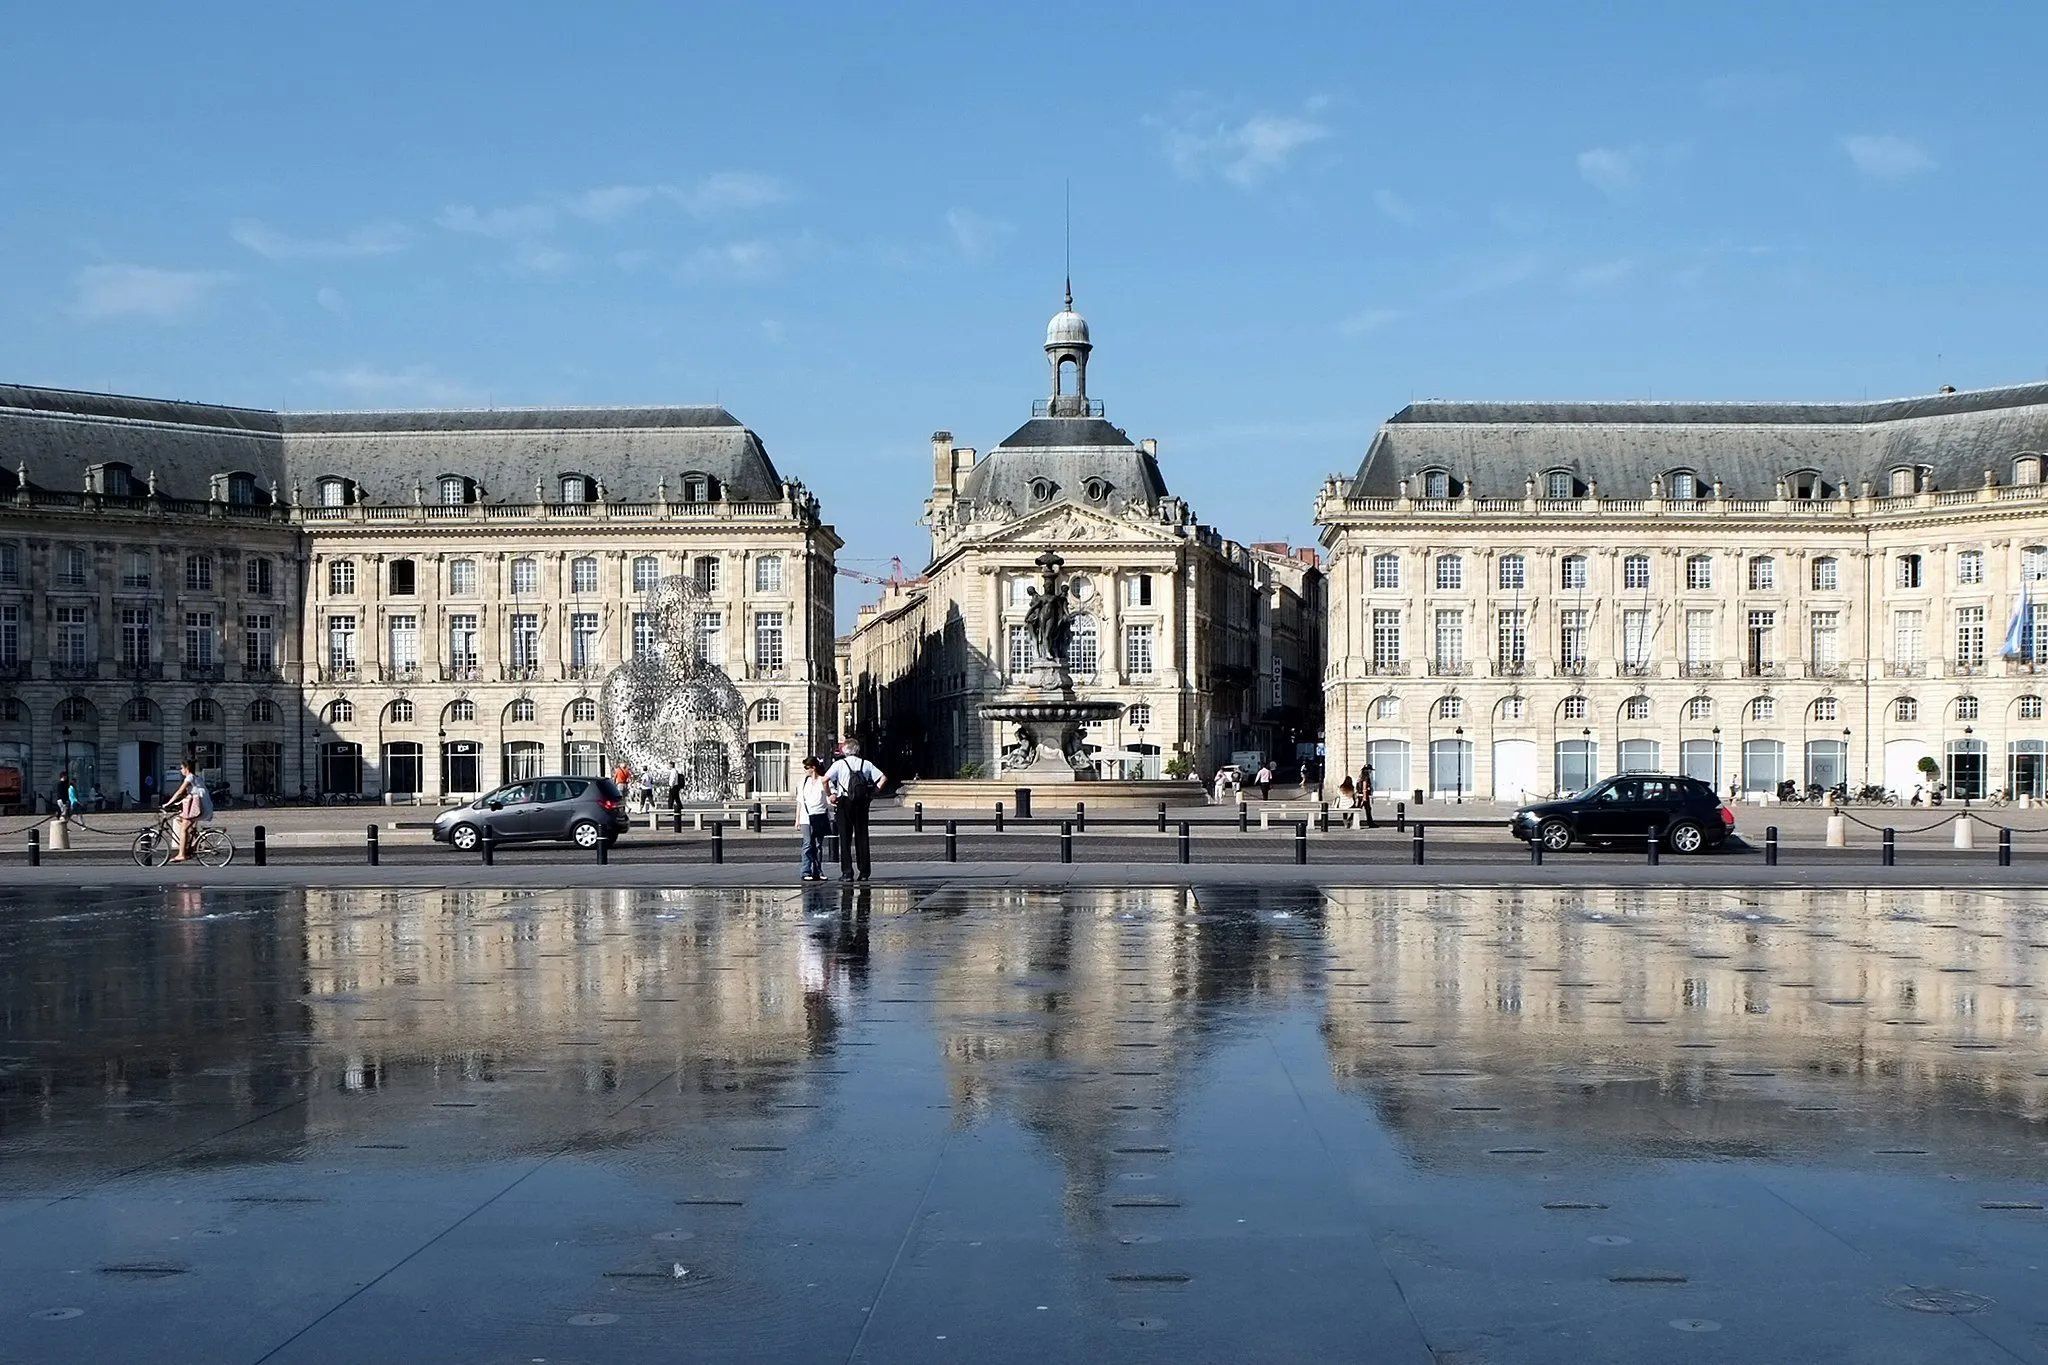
(155, 844)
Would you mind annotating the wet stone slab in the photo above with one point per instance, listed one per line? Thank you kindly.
(997, 1123)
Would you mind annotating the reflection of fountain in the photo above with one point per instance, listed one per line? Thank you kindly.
(1051, 722)
(668, 709)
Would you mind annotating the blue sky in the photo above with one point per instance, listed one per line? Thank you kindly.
(845, 224)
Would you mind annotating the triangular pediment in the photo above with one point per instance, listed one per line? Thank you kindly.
(1072, 524)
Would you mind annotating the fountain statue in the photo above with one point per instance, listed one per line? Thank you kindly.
(669, 710)
(1050, 722)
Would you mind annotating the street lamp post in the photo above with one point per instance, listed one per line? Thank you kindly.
(1460, 744)
(1717, 760)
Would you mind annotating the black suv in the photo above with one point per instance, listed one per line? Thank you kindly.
(1683, 809)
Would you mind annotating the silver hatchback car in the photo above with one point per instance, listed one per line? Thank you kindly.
(584, 811)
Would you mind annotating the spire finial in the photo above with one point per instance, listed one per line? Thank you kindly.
(1070, 293)
(1067, 218)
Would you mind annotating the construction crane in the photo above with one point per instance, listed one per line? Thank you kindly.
(895, 578)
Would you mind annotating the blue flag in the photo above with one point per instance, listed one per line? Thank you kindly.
(2019, 635)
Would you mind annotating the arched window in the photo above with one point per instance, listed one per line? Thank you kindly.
(241, 490)
(2026, 469)
(262, 711)
(697, 488)
(1386, 708)
(141, 711)
(1636, 708)
(1684, 485)
(1699, 708)
(583, 574)
(203, 712)
(1906, 708)
(1513, 709)
(1436, 483)
(2030, 708)
(1905, 479)
(336, 492)
(768, 709)
(457, 490)
(1970, 567)
(1574, 708)
(768, 573)
(1763, 708)
(1571, 572)
(1826, 708)
(401, 712)
(578, 488)
(1450, 708)
(461, 710)
(646, 573)
(1966, 708)
(522, 711)
(1807, 484)
(74, 711)
(1560, 484)
(1635, 572)
(1138, 715)
(341, 712)
(583, 711)
(1450, 572)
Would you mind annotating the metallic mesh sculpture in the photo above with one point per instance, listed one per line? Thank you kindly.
(667, 711)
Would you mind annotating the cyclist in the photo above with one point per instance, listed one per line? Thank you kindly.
(190, 803)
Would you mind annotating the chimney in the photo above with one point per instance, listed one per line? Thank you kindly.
(1150, 447)
(942, 459)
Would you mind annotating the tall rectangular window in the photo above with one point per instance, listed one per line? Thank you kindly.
(1138, 649)
(643, 635)
(198, 573)
(1020, 651)
(199, 639)
(646, 573)
(135, 570)
(403, 575)
(74, 567)
(10, 562)
(1763, 646)
(705, 573)
(1138, 590)
(405, 642)
(1970, 636)
(341, 577)
(1763, 574)
(256, 576)
(768, 654)
(10, 636)
(711, 637)
(1450, 572)
(1510, 637)
(134, 636)
(1827, 574)
(1386, 571)
(1827, 641)
(462, 641)
(1572, 572)
(583, 574)
(1448, 637)
(1635, 639)
(1909, 646)
(71, 637)
(462, 578)
(1970, 567)
(1386, 637)
(525, 577)
(1699, 573)
(1635, 572)
(1571, 638)
(259, 642)
(583, 652)
(525, 633)
(1699, 639)
(341, 642)
(1514, 572)
(768, 573)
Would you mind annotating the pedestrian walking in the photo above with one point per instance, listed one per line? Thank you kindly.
(851, 785)
(65, 797)
(675, 792)
(1365, 795)
(1265, 782)
(813, 817)
(647, 792)
(1222, 784)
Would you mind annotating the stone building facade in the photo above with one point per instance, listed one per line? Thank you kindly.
(419, 604)
(1166, 607)
(1526, 597)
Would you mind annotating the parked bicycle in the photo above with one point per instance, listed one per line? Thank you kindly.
(155, 844)
(1877, 795)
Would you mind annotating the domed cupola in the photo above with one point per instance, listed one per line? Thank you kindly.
(1067, 344)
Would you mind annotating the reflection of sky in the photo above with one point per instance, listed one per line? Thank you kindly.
(1631, 1024)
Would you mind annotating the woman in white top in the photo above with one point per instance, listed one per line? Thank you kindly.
(813, 817)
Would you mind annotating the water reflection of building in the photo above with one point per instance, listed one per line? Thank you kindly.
(1626, 1019)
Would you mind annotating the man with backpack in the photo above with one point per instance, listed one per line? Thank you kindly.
(851, 785)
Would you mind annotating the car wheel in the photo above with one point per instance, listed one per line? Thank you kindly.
(586, 834)
(465, 837)
(1686, 837)
(1554, 835)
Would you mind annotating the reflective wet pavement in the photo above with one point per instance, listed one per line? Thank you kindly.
(982, 1123)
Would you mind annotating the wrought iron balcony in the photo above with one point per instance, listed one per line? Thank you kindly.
(1966, 668)
(1510, 668)
(192, 672)
(582, 672)
(464, 669)
(398, 673)
(1760, 668)
(521, 673)
(1450, 668)
(1568, 668)
(1636, 669)
(1387, 668)
(1696, 669)
(341, 673)
(1908, 670)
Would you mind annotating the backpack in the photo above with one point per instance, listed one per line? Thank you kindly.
(860, 788)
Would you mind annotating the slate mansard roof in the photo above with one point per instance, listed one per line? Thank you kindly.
(56, 434)
(1492, 448)
(1067, 452)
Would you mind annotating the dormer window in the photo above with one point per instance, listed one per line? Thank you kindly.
(1904, 480)
(1436, 483)
(578, 488)
(1685, 485)
(336, 492)
(1807, 484)
(457, 490)
(241, 490)
(697, 488)
(113, 480)
(2026, 469)
(1096, 489)
(1042, 490)
(1560, 484)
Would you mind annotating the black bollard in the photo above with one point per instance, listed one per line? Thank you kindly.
(604, 849)
(1244, 817)
(488, 846)
(1066, 841)
(1023, 803)
(1183, 839)
(917, 817)
(1536, 851)
(1770, 845)
(952, 841)
(754, 814)
(1420, 855)
(35, 850)
(1891, 845)
(370, 844)
(262, 848)
(999, 817)
(1301, 843)
(676, 820)
(2005, 848)
(718, 841)
(1400, 816)
(1081, 816)
(1653, 846)
(1322, 817)
(1162, 817)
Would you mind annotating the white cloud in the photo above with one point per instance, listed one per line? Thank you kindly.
(732, 192)
(1198, 143)
(372, 239)
(1603, 273)
(1393, 207)
(1610, 170)
(1886, 157)
(611, 203)
(734, 261)
(332, 301)
(976, 232)
(1371, 320)
(520, 223)
(411, 384)
(142, 291)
